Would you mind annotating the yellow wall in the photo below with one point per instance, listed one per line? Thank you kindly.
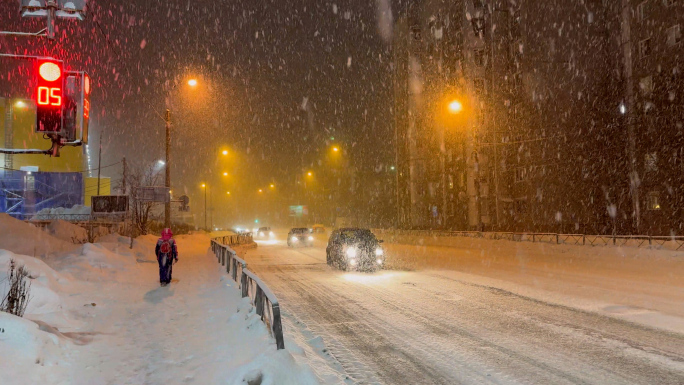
(23, 127)
(91, 188)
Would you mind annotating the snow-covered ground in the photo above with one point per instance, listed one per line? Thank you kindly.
(98, 316)
(492, 312)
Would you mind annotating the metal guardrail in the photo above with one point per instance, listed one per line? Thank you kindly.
(263, 299)
(676, 242)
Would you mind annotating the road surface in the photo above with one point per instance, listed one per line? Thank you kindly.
(397, 327)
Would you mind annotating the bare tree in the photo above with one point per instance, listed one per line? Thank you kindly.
(142, 211)
(18, 295)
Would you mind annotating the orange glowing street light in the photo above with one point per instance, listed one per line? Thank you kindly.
(336, 149)
(272, 185)
(309, 173)
(192, 82)
(455, 107)
(225, 174)
(204, 185)
(227, 192)
(260, 190)
(224, 152)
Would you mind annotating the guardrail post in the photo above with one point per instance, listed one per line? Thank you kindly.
(533, 238)
(259, 301)
(243, 283)
(557, 239)
(583, 239)
(278, 327)
(649, 240)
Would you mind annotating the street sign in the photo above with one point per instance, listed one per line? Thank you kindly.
(154, 194)
(185, 201)
(299, 211)
(111, 204)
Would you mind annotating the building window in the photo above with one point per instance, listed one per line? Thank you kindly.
(520, 174)
(479, 86)
(651, 162)
(646, 85)
(479, 55)
(654, 200)
(644, 48)
(674, 35)
(643, 11)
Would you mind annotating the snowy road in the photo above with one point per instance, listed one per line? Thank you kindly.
(430, 328)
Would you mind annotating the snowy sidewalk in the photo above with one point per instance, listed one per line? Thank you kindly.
(121, 327)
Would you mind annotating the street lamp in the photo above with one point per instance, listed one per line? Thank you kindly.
(455, 107)
(204, 186)
(225, 174)
(336, 149)
(260, 191)
(272, 185)
(167, 183)
(309, 173)
(224, 152)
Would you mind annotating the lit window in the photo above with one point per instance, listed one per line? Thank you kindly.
(654, 200)
(674, 35)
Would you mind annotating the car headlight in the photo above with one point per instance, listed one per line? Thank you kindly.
(352, 262)
(351, 252)
(271, 234)
(294, 239)
(379, 261)
(261, 234)
(310, 238)
(379, 252)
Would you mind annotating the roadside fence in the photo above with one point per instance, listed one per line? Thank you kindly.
(668, 242)
(263, 299)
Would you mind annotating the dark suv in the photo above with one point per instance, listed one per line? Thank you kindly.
(355, 249)
(299, 236)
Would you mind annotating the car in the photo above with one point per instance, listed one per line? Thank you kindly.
(299, 236)
(355, 249)
(318, 229)
(264, 232)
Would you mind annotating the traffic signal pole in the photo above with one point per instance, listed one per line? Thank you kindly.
(167, 204)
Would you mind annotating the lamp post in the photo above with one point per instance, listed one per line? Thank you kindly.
(204, 186)
(167, 181)
(455, 107)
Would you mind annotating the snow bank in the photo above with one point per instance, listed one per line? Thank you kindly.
(263, 364)
(67, 231)
(22, 238)
(45, 283)
(49, 213)
(29, 355)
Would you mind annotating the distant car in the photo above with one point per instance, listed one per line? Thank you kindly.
(264, 232)
(355, 249)
(318, 229)
(299, 236)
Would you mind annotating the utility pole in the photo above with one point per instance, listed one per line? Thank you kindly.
(205, 207)
(167, 204)
(99, 165)
(123, 182)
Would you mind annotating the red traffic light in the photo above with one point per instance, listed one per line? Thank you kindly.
(49, 96)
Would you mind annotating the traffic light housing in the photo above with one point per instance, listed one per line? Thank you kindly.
(77, 90)
(49, 96)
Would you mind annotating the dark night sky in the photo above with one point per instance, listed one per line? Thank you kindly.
(257, 60)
